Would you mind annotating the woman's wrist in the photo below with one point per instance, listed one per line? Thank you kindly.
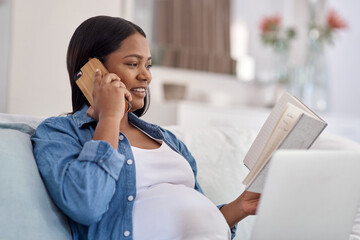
(242, 211)
(107, 130)
(113, 120)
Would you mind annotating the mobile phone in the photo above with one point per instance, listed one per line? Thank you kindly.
(85, 79)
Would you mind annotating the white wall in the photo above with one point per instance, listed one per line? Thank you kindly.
(5, 17)
(40, 33)
(344, 60)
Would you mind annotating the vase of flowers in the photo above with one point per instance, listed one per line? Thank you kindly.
(313, 82)
(274, 35)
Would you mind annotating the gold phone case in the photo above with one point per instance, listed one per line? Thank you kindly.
(85, 79)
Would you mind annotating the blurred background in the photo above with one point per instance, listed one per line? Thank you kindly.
(215, 61)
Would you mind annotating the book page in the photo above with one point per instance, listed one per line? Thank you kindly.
(266, 130)
(283, 126)
(305, 131)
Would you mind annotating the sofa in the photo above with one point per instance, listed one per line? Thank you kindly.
(27, 212)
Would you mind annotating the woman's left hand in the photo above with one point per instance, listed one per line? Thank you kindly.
(245, 205)
(249, 202)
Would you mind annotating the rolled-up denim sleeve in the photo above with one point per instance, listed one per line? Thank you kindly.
(81, 179)
(103, 154)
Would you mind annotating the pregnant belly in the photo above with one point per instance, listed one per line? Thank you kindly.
(176, 212)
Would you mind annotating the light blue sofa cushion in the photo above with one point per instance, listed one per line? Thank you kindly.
(26, 210)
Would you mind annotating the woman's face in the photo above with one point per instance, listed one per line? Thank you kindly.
(132, 62)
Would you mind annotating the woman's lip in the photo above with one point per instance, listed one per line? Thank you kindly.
(138, 88)
(139, 93)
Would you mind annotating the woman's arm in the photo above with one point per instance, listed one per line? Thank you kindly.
(109, 106)
(81, 179)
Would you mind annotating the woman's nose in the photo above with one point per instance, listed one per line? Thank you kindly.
(144, 74)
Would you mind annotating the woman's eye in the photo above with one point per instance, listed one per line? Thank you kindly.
(132, 64)
(148, 66)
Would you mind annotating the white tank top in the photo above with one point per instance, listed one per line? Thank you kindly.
(167, 207)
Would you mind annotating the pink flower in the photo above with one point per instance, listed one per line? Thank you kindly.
(272, 33)
(334, 21)
(270, 23)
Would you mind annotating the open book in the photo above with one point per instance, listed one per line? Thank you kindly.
(290, 125)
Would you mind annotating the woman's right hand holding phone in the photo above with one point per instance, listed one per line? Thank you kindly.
(109, 106)
(109, 97)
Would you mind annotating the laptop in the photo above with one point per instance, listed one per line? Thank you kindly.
(309, 195)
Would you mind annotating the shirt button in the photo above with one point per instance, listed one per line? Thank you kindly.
(130, 198)
(127, 233)
(121, 137)
(129, 161)
(100, 161)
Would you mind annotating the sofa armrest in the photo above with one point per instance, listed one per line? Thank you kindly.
(26, 208)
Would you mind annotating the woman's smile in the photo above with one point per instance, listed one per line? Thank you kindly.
(138, 91)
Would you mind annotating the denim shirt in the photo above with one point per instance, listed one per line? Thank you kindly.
(90, 181)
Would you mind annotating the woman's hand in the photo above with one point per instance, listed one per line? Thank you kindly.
(109, 97)
(246, 204)
(249, 202)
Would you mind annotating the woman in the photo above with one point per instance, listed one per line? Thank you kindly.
(114, 175)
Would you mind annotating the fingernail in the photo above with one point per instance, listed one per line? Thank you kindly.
(97, 70)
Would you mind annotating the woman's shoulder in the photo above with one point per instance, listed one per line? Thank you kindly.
(57, 121)
(51, 125)
(76, 119)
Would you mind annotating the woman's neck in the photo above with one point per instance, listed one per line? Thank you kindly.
(124, 123)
